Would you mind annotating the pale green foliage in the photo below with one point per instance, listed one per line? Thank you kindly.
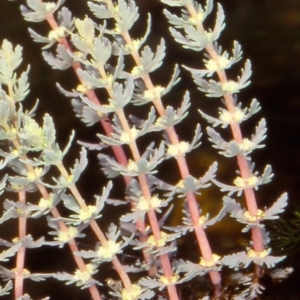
(98, 53)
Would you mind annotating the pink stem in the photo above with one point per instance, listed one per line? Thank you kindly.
(20, 260)
(183, 167)
(117, 150)
(237, 135)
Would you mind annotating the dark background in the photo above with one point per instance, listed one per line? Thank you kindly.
(269, 32)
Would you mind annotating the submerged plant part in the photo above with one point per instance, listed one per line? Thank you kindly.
(100, 49)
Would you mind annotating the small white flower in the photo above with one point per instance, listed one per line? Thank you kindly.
(128, 137)
(215, 65)
(238, 116)
(133, 46)
(230, 87)
(58, 33)
(11, 133)
(246, 183)
(46, 203)
(137, 71)
(158, 243)
(161, 122)
(179, 149)
(154, 93)
(250, 218)
(85, 214)
(83, 277)
(134, 294)
(82, 88)
(49, 6)
(146, 205)
(198, 19)
(109, 252)
(169, 280)
(180, 184)
(227, 117)
(246, 145)
(66, 236)
(251, 253)
(209, 263)
(132, 165)
(35, 174)
(202, 220)
(117, 29)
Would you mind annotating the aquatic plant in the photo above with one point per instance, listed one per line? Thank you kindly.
(100, 49)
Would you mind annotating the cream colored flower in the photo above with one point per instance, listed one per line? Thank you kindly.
(230, 87)
(109, 252)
